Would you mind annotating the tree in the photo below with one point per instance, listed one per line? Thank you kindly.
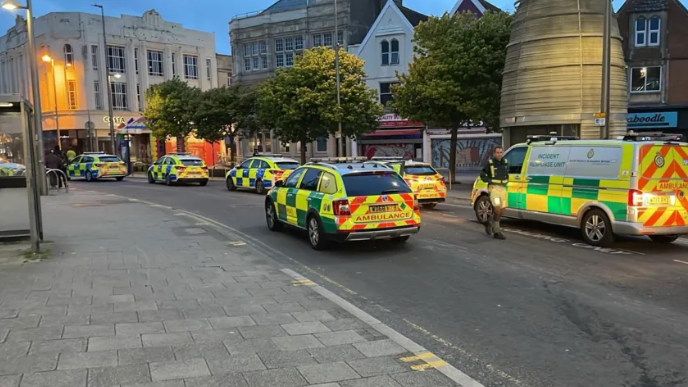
(170, 109)
(247, 112)
(300, 103)
(456, 75)
(216, 115)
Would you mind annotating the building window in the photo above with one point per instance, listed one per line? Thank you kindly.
(340, 38)
(385, 52)
(119, 96)
(263, 47)
(116, 59)
(138, 97)
(653, 38)
(327, 39)
(646, 79)
(71, 95)
(298, 42)
(256, 63)
(94, 57)
(280, 60)
(317, 40)
(247, 50)
(255, 56)
(386, 92)
(208, 68)
(190, 67)
(640, 32)
(68, 55)
(96, 94)
(321, 144)
(247, 64)
(290, 47)
(174, 65)
(279, 45)
(136, 60)
(289, 59)
(395, 52)
(229, 79)
(155, 66)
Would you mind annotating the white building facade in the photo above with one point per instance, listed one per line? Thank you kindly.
(141, 51)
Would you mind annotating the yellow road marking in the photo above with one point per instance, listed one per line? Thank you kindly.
(303, 282)
(425, 356)
(236, 243)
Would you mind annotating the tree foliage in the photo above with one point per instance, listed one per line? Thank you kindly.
(300, 103)
(170, 108)
(456, 75)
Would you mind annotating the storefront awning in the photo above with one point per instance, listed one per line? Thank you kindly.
(394, 132)
(135, 126)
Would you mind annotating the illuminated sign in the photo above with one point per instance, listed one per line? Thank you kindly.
(652, 120)
(115, 119)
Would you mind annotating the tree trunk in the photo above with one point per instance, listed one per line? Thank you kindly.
(232, 150)
(452, 155)
(181, 145)
(303, 149)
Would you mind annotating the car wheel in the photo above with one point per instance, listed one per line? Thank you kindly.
(204, 183)
(316, 234)
(401, 240)
(664, 239)
(597, 229)
(119, 178)
(483, 209)
(429, 206)
(259, 188)
(168, 180)
(150, 178)
(89, 176)
(230, 184)
(271, 216)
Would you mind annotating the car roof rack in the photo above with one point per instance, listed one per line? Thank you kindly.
(551, 138)
(650, 136)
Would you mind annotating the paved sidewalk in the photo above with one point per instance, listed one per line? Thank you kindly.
(141, 295)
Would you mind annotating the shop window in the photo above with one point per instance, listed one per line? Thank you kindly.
(68, 55)
(646, 79)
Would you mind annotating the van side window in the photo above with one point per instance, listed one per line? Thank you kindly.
(516, 157)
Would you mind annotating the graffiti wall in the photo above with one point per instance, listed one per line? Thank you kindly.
(407, 151)
(471, 153)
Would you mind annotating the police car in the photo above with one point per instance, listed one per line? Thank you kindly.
(96, 165)
(178, 168)
(11, 169)
(260, 173)
(424, 180)
(344, 199)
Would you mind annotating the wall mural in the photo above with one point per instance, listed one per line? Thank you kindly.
(390, 150)
(471, 154)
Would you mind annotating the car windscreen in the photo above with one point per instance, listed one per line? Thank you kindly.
(192, 162)
(420, 170)
(287, 165)
(109, 159)
(376, 183)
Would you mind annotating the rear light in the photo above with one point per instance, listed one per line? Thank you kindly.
(98, 164)
(635, 198)
(275, 171)
(341, 207)
(181, 168)
(204, 167)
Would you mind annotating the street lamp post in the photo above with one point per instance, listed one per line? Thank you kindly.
(48, 59)
(37, 133)
(606, 68)
(336, 65)
(109, 84)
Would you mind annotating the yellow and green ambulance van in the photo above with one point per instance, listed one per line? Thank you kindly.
(636, 185)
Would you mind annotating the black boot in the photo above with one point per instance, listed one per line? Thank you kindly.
(488, 228)
(499, 236)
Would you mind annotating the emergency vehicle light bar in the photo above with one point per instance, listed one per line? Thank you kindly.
(387, 158)
(552, 137)
(94, 153)
(339, 160)
(178, 154)
(650, 136)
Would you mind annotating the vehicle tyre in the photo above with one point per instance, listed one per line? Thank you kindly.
(664, 239)
(316, 234)
(260, 190)
(401, 240)
(597, 229)
(204, 183)
(230, 184)
(271, 216)
(429, 206)
(89, 176)
(150, 178)
(483, 209)
(119, 178)
(168, 180)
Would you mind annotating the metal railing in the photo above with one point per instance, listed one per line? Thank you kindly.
(56, 174)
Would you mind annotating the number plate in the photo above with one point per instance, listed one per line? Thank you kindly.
(428, 186)
(655, 200)
(384, 208)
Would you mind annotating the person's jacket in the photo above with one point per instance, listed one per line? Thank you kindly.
(496, 172)
(53, 161)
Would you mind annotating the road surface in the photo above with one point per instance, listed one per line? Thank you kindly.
(539, 309)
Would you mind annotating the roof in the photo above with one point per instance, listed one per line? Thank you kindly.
(412, 16)
(409, 17)
(286, 5)
(649, 6)
(479, 6)
(354, 168)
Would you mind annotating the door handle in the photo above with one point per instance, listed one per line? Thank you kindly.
(290, 194)
(309, 199)
(517, 178)
(529, 178)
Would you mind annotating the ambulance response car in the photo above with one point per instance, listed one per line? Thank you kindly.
(344, 199)
(424, 180)
(96, 165)
(178, 168)
(260, 173)
(637, 185)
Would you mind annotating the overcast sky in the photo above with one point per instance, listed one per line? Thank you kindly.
(206, 15)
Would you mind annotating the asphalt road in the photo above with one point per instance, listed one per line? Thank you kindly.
(539, 309)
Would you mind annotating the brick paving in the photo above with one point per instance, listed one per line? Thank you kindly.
(135, 295)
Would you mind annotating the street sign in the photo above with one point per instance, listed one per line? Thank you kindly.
(90, 125)
(600, 115)
(337, 134)
(600, 121)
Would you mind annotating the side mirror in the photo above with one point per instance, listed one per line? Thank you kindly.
(279, 183)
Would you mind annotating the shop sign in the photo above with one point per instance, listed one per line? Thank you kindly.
(652, 120)
(117, 120)
(395, 121)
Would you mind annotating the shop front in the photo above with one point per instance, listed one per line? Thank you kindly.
(666, 119)
(395, 137)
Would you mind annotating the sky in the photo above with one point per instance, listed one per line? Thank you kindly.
(205, 15)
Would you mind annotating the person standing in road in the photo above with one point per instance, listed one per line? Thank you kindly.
(496, 175)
